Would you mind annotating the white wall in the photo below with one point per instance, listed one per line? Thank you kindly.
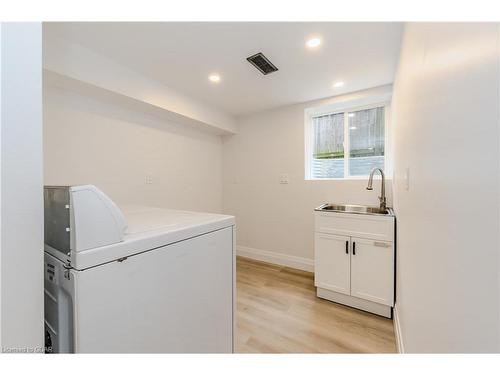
(1, 72)
(446, 103)
(21, 201)
(89, 141)
(274, 217)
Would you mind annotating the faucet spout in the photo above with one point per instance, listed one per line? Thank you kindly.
(382, 198)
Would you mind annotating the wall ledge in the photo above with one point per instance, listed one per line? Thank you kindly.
(53, 79)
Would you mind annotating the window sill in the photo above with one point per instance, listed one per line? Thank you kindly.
(351, 178)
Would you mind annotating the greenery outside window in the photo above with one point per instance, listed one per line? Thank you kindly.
(346, 144)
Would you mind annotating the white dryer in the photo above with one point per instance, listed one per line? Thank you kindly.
(136, 279)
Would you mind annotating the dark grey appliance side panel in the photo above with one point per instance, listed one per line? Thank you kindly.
(57, 218)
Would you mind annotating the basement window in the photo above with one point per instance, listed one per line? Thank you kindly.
(346, 143)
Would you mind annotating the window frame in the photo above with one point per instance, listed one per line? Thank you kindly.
(345, 107)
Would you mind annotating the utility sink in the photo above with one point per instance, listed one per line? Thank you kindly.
(355, 209)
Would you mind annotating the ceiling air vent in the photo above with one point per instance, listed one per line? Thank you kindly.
(262, 63)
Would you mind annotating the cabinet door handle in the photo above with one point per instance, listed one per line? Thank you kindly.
(347, 247)
(354, 248)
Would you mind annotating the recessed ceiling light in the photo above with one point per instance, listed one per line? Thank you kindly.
(353, 128)
(351, 115)
(338, 84)
(214, 78)
(313, 42)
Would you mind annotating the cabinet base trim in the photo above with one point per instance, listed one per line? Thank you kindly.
(358, 303)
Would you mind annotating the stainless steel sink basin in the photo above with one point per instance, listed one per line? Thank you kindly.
(353, 209)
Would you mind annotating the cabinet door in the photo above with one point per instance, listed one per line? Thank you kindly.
(372, 271)
(331, 262)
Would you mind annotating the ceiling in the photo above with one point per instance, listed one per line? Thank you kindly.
(183, 55)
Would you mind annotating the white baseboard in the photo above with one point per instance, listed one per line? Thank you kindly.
(397, 331)
(281, 259)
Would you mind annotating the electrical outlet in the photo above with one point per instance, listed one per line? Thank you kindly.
(149, 179)
(284, 178)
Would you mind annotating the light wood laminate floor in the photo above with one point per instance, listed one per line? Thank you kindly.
(278, 312)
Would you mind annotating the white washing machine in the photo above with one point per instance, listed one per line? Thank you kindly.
(136, 279)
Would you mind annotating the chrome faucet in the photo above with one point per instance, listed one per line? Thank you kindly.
(383, 201)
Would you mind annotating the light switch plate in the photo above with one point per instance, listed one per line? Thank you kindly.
(149, 179)
(407, 179)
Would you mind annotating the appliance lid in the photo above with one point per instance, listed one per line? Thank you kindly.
(151, 228)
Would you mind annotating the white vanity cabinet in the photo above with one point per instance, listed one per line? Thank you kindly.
(333, 271)
(354, 260)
